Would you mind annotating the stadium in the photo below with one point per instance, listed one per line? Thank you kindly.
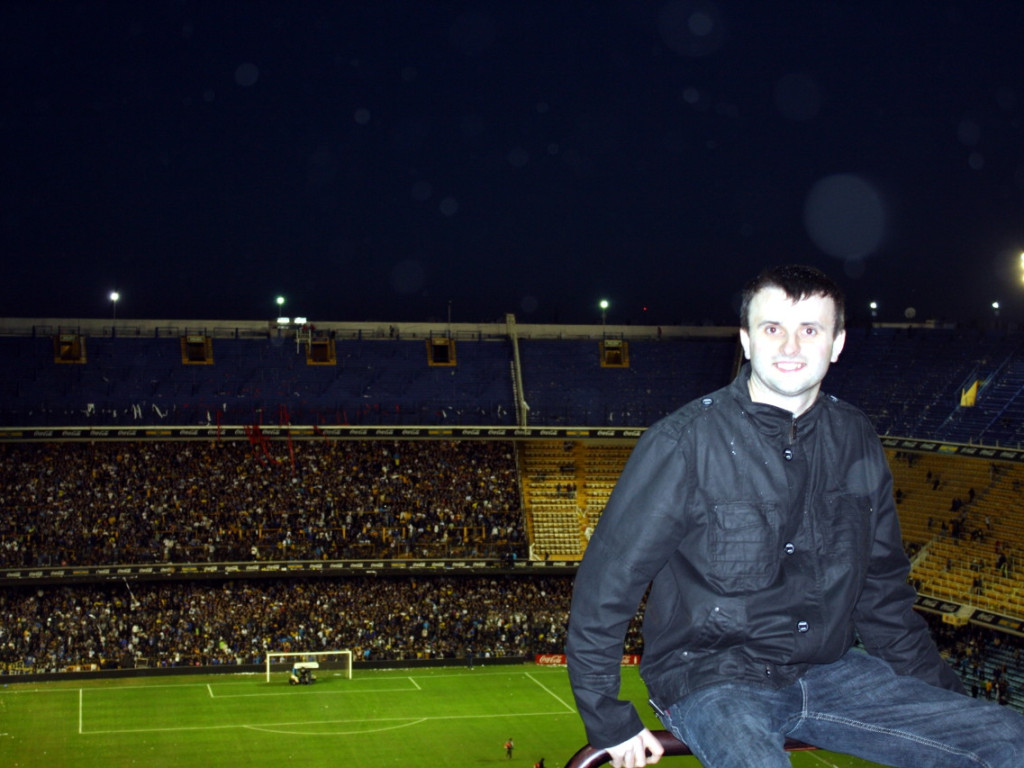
(510, 238)
(189, 507)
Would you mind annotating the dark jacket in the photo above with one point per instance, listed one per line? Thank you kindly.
(768, 542)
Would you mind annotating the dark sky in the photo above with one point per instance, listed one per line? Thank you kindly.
(387, 159)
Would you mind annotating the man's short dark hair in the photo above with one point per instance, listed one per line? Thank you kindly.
(798, 282)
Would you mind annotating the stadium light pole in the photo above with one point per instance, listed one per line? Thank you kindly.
(603, 304)
(114, 297)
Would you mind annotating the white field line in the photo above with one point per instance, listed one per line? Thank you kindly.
(551, 693)
(397, 722)
(286, 732)
(309, 691)
(821, 759)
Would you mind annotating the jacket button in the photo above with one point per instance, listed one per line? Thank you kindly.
(802, 626)
(788, 454)
(790, 548)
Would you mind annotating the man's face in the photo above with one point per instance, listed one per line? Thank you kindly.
(789, 345)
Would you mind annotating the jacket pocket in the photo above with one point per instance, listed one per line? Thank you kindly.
(846, 526)
(743, 546)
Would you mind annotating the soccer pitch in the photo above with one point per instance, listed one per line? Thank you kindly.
(402, 718)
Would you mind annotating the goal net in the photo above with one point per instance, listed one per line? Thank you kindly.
(340, 662)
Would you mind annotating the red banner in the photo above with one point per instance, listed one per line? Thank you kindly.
(550, 659)
(558, 659)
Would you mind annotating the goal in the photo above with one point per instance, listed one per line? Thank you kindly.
(340, 661)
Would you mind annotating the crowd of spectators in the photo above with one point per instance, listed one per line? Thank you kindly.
(75, 503)
(988, 662)
(199, 623)
(215, 623)
(78, 504)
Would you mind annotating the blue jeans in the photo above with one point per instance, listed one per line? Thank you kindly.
(857, 706)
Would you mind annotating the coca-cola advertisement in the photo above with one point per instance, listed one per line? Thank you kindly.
(550, 659)
(558, 659)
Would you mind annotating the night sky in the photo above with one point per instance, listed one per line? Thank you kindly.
(400, 160)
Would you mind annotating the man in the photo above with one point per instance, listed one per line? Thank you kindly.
(762, 518)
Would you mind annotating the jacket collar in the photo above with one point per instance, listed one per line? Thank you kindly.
(770, 419)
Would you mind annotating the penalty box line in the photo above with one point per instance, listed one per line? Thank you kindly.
(313, 689)
(410, 720)
(412, 688)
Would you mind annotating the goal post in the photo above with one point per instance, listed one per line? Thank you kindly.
(339, 661)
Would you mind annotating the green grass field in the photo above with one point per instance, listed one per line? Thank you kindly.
(402, 718)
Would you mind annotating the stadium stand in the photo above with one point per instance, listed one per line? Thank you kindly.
(233, 623)
(115, 503)
(245, 448)
(265, 374)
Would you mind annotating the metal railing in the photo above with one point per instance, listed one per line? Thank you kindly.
(588, 756)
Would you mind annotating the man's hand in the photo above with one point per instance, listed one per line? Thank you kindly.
(633, 753)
